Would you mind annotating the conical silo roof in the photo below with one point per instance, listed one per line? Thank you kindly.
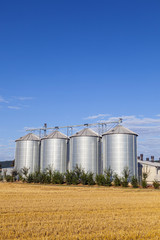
(29, 137)
(85, 132)
(56, 134)
(120, 130)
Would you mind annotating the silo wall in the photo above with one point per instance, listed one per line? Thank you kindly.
(54, 154)
(85, 152)
(119, 152)
(27, 155)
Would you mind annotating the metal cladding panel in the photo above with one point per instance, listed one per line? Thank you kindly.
(54, 154)
(85, 152)
(120, 151)
(27, 155)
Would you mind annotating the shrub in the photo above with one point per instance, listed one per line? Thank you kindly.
(116, 180)
(75, 180)
(125, 178)
(1, 177)
(14, 174)
(20, 177)
(57, 177)
(24, 171)
(87, 178)
(29, 178)
(84, 178)
(101, 180)
(108, 174)
(144, 179)
(134, 182)
(124, 182)
(9, 178)
(74, 177)
(48, 179)
(78, 172)
(36, 177)
(144, 183)
(49, 172)
(5, 173)
(71, 178)
(156, 184)
(43, 177)
(144, 175)
(39, 177)
(90, 179)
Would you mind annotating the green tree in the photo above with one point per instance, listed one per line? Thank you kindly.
(116, 180)
(108, 174)
(125, 178)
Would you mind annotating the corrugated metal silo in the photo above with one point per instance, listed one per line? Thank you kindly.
(27, 152)
(120, 150)
(85, 151)
(54, 152)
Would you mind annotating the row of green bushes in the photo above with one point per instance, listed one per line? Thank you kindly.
(79, 176)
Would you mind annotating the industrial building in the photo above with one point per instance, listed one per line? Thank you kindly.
(54, 152)
(85, 151)
(149, 166)
(6, 167)
(28, 153)
(92, 151)
(120, 150)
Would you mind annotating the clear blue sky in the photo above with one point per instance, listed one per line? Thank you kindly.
(64, 61)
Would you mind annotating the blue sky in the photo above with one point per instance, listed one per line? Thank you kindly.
(68, 62)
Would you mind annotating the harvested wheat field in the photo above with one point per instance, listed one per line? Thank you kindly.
(30, 211)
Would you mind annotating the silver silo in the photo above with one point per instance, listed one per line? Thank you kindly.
(85, 151)
(54, 152)
(120, 150)
(27, 152)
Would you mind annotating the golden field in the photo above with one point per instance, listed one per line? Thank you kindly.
(30, 211)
